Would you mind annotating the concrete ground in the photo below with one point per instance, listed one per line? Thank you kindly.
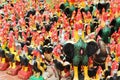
(5, 76)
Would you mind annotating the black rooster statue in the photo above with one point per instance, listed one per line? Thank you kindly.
(26, 70)
(3, 60)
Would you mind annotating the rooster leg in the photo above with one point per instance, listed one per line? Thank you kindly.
(3, 60)
(97, 77)
(75, 73)
(116, 58)
(106, 66)
(0, 59)
(86, 73)
(26, 69)
(14, 65)
(10, 65)
(23, 67)
(17, 58)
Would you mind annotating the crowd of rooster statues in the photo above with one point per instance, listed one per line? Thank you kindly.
(73, 40)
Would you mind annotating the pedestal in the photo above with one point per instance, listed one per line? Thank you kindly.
(25, 74)
(12, 71)
(3, 66)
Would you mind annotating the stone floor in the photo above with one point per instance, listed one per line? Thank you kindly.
(4, 76)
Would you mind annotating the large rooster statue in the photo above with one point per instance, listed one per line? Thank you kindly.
(38, 66)
(79, 52)
(81, 58)
(77, 55)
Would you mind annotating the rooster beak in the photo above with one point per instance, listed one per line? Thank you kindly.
(75, 73)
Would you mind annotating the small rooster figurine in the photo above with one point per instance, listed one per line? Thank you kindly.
(38, 66)
(114, 68)
(99, 73)
(13, 56)
(26, 70)
(3, 64)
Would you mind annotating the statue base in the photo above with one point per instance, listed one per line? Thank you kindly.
(12, 71)
(25, 74)
(3, 66)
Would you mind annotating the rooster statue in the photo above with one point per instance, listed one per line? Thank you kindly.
(110, 30)
(3, 50)
(38, 66)
(14, 65)
(12, 56)
(79, 52)
(77, 56)
(26, 70)
(81, 57)
(3, 62)
(115, 23)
